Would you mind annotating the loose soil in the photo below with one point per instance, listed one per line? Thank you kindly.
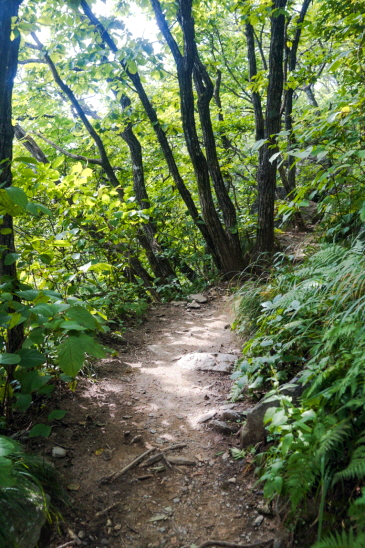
(143, 398)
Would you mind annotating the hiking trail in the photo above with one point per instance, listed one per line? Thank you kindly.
(156, 394)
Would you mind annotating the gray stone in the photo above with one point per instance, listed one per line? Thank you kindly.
(58, 452)
(223, 427)
(253, 431)
(230, 416)
(258, 521)
(199, 298)
(207, 416)
(194, 305)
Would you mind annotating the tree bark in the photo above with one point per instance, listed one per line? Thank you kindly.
(266, 176)
(231, 264)
(9, 50)
(161, 137)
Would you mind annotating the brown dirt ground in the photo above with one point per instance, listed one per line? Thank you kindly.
(143, 392)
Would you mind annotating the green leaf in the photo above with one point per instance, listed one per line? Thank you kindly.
(5, 473)
(31, 357)
(91, 346)
(28, 295)
(40, 430)
(23, 401)
(70, 356)
(10, 258)
(9, 359)
(8, 446)
(82, 316)
(56, 414)
(17, 196)
(71, 325)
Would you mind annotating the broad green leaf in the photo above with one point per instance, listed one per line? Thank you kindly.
(5, 473)
(17, 196)
(30, 357)
(11, 258)
(42, 430)
(7, 446)
(71, 356)
(82, 316)
(91, 346)
(56, 414)
(23, 401)
(28, 295)
(72, 325)
(9, 359)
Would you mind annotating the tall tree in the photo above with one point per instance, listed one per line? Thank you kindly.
(9, 48)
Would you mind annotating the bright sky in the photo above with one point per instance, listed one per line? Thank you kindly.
(137, 23)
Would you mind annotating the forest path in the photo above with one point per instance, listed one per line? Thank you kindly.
(148, 391)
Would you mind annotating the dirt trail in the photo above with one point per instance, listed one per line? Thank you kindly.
(150, 396)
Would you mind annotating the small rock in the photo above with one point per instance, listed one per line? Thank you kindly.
(265, 510)
(73, 486)
(136, 439)
(58, 452)
(152, 430)
(81, 534)
(211, 463)
(176, 501)
(104, 542)
(223, 427)
(194, 305)
(199, 298)
(258, 521)
(181, 460)
(230, 416)
(118, 527)
(206, 416)
(232, 480)
(162, 529)
(225, 456)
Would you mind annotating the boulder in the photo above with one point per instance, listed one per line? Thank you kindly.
(204, 361)
(23, 520)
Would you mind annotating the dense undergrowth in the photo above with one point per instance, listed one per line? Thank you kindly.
(308, 321)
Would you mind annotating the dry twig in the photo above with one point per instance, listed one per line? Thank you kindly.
(69, 543)
(116, 475)
(106, 510)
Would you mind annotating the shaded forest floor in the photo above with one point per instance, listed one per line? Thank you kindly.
(147, 396)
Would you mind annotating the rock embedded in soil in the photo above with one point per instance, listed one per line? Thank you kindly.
(58, 452)
(185, 461)
(223, 427)
(199, 298)
(204, 361)
(230, 416)
(194, 305)
(207, 416)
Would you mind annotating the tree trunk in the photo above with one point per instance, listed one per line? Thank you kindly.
(205, 88)
(266, 176)
(9, 62)
(161, 137)
(231, 264)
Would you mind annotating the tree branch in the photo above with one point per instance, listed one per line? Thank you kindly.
(76, 104)
(95, 161)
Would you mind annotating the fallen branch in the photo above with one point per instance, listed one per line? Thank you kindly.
(160, 456)
(69, 543)
(116, 475)
(106, 510)
(261, 544)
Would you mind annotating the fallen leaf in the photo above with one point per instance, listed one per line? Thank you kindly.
(99, 452)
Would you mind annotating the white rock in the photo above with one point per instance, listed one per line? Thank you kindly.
(59, 452)
(199, 298)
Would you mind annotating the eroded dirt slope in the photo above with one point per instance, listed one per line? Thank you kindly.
(148, 396)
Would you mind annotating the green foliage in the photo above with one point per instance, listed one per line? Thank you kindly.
(26, 483)
(313, 322)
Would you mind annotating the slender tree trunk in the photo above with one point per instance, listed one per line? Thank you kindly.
(266, 176)
(161, 137)
(8, 66)
(231, 264)
(205, 88)
(147, 234)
